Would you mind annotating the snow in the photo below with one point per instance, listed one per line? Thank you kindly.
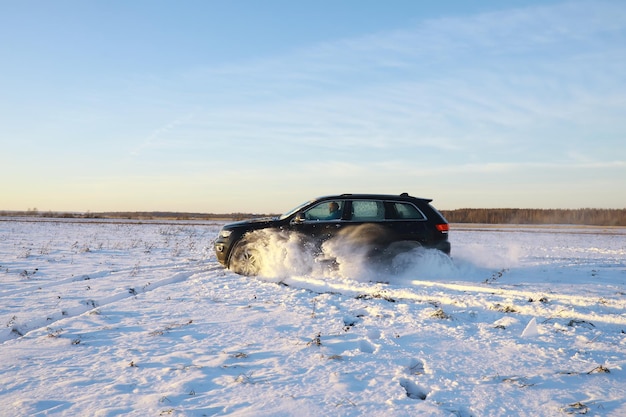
(138, 318)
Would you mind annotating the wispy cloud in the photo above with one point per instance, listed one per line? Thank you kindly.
(431, 46)
(489, 82)
(161, 131)
(497, 98)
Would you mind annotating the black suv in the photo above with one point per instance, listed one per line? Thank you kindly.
(378, 221)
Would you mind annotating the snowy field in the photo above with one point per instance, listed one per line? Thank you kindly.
(121, 318)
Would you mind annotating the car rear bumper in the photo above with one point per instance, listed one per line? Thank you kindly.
(443, 246)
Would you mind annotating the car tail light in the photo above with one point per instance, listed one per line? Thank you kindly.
(443, 227)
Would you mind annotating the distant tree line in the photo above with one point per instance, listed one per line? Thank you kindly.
(134, 215)
(586, 216)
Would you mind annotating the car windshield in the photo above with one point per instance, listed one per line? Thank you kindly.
(295, 210)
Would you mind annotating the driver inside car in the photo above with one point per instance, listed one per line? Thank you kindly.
(333, 211)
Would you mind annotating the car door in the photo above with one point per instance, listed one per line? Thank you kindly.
(320, 222)
(366, 223)
(406, 222)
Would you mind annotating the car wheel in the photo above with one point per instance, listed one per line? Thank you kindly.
(245, 260)
(398, 256)
(402, 246)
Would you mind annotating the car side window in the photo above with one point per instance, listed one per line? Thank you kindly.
(328, 210)
(366, 210)
(407, 211)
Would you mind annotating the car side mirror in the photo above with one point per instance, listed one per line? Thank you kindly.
(299, 218)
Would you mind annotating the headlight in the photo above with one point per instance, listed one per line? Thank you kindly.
(225, 233)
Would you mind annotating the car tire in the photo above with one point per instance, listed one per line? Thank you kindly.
(402, 246)
(245, 260)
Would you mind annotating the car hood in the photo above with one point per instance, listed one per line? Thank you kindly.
(252, 223)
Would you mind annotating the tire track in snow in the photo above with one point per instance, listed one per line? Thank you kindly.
(16, 331)
(50, 285)
(537, 303)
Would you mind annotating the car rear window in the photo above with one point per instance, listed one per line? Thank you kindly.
(407, 211)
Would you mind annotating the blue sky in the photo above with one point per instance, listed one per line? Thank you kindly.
(220, 106)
